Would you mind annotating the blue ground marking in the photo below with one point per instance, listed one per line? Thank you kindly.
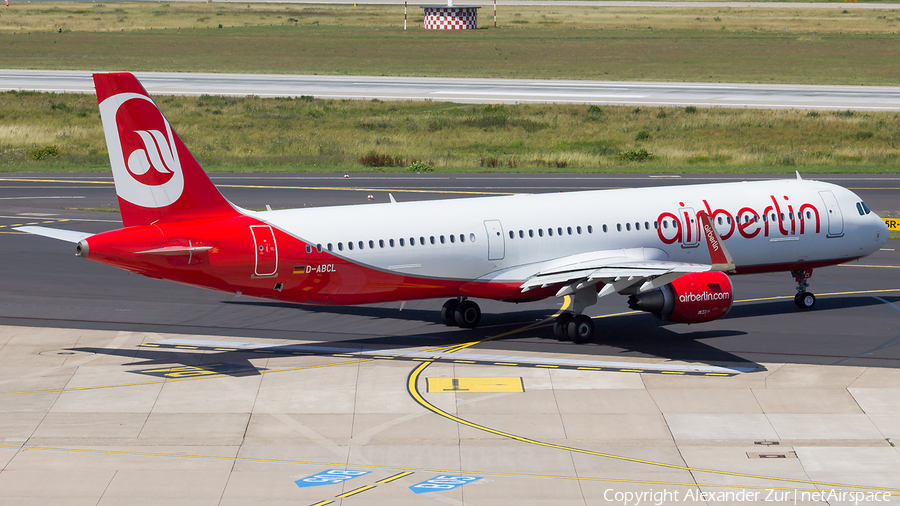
(439, 483)
(329, 477)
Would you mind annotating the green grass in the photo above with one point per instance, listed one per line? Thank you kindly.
(814, 46)
(272, 134)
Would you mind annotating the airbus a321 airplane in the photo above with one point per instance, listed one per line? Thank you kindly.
(668, 249)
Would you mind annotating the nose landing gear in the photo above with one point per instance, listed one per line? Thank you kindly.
(803, 299)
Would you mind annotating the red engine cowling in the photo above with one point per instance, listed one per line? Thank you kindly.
(693, 298)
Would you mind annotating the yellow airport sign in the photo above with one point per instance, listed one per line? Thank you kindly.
(475, 385)
(893, 224)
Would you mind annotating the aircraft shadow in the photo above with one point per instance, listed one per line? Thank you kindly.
(627, 336)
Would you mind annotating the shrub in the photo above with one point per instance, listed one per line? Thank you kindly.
(636, 155)
(661, 114)
(378, 160)
(847, 114)
(418, 166)
(51, 151)
(489, 162)
(690, 109)
(595, 109)
(812, 114)
(863, 135)
(643, 135)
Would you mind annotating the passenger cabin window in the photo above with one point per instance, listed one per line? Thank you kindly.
(590, 229)
(349, 245)
(619, 227)
(569, 230)
(530, 232)
(422, 241)
(401, 242)
(442, 240)
(628, 227)
(371, 244)
(309, 248)
(319, 248)
(380, 243)
(471, 237)
(432, 239)
(550, 232)
(340, 246)
(605, 229)
(656, 225)
(521, 234)
(578, 229)
(541, 232)
(391, 242)
(559, 230)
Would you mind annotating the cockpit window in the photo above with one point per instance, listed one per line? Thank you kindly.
(866, 207)
(859, 209)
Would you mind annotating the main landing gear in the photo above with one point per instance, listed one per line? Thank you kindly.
(577, 326)
(461, 312)
(803, 299)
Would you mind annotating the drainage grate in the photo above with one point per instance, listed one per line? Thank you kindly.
(784, 455)
(766, 443)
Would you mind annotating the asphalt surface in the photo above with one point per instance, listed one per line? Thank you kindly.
(781, 96)
(45, 285)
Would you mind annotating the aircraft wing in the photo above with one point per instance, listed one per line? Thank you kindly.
(56, 233)
(619, 275)
(636, 270)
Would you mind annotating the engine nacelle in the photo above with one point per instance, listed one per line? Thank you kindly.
(693, 298)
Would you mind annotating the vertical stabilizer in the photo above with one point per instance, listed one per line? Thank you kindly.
(157, 178)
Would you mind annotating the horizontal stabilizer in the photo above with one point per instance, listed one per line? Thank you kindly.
(175, 250)
(55, 233)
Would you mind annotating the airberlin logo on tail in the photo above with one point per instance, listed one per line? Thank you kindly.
(142, 151)
(156, 158)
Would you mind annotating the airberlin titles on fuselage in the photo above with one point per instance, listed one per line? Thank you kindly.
(747, 222)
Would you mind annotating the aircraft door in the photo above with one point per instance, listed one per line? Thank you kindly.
(496, 242)
(835, 218)
(690, 232)
(266, 250)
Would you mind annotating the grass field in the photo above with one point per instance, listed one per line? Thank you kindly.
(63, 132)
(813, 46)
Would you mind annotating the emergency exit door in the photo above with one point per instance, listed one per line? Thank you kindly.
(496, 242)
(266, 250)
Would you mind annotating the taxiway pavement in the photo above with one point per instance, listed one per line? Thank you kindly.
(118, 389)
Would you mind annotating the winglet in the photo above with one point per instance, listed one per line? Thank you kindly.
(798, 175)
(718, 255)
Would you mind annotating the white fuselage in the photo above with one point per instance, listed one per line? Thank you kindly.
(491, 235)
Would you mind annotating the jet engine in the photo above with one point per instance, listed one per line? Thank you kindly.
(693, 298)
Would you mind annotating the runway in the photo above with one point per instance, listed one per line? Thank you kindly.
(778, 96)
(118, 389)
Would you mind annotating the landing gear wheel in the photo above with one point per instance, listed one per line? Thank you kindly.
(805, 300)
(560, 324)
(580, 329)
(448, 312)
(467, 314)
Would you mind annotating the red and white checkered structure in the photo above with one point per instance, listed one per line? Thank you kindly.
(450, 18)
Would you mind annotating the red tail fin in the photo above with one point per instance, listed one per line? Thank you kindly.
(156, 176)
